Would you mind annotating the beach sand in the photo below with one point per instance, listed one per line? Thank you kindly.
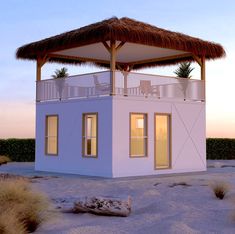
(159, 205)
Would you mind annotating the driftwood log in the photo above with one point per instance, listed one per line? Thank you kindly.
(99, 206)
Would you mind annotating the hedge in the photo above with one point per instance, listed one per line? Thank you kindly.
(23, 150)
(220, 148)
(19, 150)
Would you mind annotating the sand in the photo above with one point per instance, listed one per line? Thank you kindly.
(159, 204)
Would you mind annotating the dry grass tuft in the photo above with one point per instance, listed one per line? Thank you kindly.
(29, 207)
(9, 224)
(4, 159)
(220, 189)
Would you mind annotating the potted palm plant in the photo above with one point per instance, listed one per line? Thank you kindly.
(184, 72)
(59, 76)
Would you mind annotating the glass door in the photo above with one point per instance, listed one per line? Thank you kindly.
(162, 142)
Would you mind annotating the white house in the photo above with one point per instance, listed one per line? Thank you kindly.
(117, 122)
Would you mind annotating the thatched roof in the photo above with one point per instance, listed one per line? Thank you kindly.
(126, 30)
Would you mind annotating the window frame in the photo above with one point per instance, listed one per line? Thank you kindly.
(46, 137)
(169, 143)
(145, 137)
(84, 132)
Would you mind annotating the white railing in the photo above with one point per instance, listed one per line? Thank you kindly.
(126, 84)
(163, 87)
(73, 87)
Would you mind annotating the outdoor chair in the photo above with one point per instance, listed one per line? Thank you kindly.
(101, 88)
(148, 90)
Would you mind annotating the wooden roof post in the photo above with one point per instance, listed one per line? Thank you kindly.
(40, 63)
(38, 76)
(202, 63)
(203, 73)
(112, 66)
(203, 69)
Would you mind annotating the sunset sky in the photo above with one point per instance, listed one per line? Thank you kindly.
(24, 21)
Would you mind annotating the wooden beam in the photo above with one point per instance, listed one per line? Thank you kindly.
(78, 58)
(197, 59)
(119, 66)
(112, 66)
(121, 44)
(44, 60)
(186, 55)
(84, 59)
(106, 46)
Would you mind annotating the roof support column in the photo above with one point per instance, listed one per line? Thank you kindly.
(40, 63)
(203, 73)
(125, 72)
(112, 66)
(203, 69)
(202, 63)
(38, 75)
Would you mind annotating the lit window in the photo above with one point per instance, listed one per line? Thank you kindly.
(140, 123)
(138, 135)
(90, 132)
(51, 136)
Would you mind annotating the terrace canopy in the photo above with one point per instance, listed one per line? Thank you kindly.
(123, 44)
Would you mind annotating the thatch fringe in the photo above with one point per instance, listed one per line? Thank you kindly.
(124, 29)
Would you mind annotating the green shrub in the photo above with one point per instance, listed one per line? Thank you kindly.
(19, 150)
(220, 148)
(23, 150)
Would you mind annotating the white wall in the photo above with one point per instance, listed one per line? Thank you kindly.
(188, 136)
(69, 157)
